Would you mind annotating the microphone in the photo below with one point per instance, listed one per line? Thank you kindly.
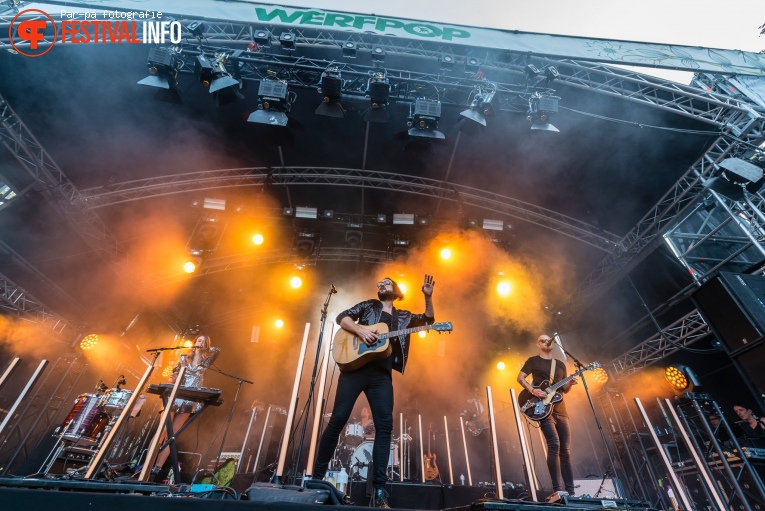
(548, 341)
(334, 289)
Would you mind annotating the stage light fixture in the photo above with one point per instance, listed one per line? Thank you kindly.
(423, 220)
(349, 49)
(167, 371)
(378, 54)
(403, 219)
(681, 377)
(279, 323)
(493, 225)
(331, 89)
(551, 73)
(382, 218)
(262, 37)
(503, 288)
(471, 64)
(353, 237)
(88, 342)
(501, 366)
(378, 92)
(447, 61)
(423, 119)
(481, 106)
(258, 239)
(304, 243)
(328, 214)
(163, 73)
(203, 69)
(224, 87)
(287, 40)
(296, 282)
(532, 71)
(446, 253)
(274, 103)
(288, 211)
(218, 204)
(301, 212)
(197, 28)
(600, 375)
(542, 106)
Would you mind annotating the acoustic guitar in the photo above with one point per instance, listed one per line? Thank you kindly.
(536, 408)
(430, 469)
(351, 353)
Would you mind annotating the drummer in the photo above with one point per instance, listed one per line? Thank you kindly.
(367, 425)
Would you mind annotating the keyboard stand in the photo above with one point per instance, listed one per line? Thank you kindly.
(172, 435)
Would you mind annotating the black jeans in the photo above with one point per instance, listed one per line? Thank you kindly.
(377, 384)
(557, 433)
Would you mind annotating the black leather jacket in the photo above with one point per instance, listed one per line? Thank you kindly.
(369, 312)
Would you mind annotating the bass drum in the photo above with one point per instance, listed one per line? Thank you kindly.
(85, 424)
(354, 434)
(362, 458)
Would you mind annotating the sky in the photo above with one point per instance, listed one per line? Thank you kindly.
(704, 23)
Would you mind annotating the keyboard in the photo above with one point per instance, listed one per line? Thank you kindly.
(200, 394)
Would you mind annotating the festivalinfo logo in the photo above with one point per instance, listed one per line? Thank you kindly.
(33, 32)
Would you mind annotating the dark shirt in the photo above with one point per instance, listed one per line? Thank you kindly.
(386, 362)
(753, 437)
(539, 369)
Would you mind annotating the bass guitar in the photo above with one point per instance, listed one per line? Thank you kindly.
(430, 469)
(351, 353)
(536, 408)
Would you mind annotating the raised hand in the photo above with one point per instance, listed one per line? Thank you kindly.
(427, 285)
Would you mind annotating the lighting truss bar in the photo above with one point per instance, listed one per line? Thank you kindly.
(288, 176)
(683, 332)
(16, 301)
(646, 235)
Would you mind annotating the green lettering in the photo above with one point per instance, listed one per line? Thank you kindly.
(423, 30)
(383, 23)
(341, 20)
(312, 18)
(451, 33)
(264, 15)
(360, 21)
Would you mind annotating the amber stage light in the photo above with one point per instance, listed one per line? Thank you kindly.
(503, 288)
(279, 323)
(422, 334)
(676, 377)
(600, 375)
(88, 341)
(167, 371)
(258, 239)
(189, 266)
(296, 282)
(446, 253)
(501, 366)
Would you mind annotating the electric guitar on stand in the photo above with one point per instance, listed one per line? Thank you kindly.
(430, 469)
(351, 353)
(537, 409)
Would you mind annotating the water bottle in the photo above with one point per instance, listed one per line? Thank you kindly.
(462, 479)
(342, 480)
(330, 477)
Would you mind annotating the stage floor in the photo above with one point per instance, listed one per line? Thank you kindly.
(44, 495)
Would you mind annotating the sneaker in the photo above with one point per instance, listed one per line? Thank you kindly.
(380, 498)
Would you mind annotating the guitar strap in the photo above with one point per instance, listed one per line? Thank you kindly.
(552, 371)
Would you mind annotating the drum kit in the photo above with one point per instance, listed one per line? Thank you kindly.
(354, 451)
(90, 419)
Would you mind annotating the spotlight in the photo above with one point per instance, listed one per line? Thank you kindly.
(600, 375)
(287, 40)
(423, 119)
(274, 103)
(532, 71)
(353, 237)
(349, 49)
(378, 91)
(501, 365)
(192, 264)
(223, 86)
(503, 288)
(203, 69)
(88, 342)
(382, 218)
(262, 37)
(551, 73)
(682, 378)
(279, 323)
(296, 282)
(471, 65)
(167, 371)
(481, 106)
(258, 239)
(304, 243)
(163, 71)
(328, 214)
(398, 249)
(403, 219)
(304, 212)
(446, 253)
(447, 61)
(378, 54)
(542, 106)
(288, 211)
(331, 88)
(197, 28)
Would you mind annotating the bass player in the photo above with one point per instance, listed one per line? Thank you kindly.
(374, 378)
(555, 427)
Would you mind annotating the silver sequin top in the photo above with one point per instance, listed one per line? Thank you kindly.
(192, 377)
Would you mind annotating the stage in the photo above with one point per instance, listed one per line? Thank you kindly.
(45, 494)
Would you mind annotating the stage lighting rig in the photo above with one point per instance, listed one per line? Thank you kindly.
(423, 119)
(331, 88)
(274, 103)
(378, 92)
(542, 106)
(163, 64)
(212, 73)
(481, 106)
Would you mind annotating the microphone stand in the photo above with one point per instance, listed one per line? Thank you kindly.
(296, 461)
(230, 413)
(612, 469)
